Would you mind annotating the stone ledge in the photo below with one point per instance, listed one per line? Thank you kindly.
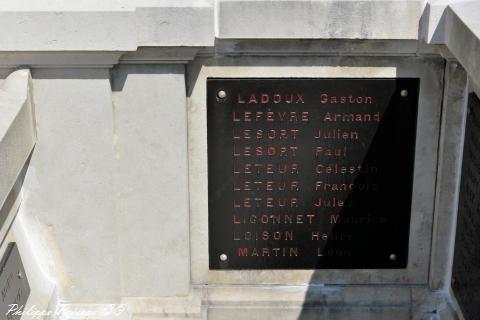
(455, 25)
(277, 302)
(126, 25)
(67, 30)
(175, 26)
(104, 26)
(463, 37)
(314, 47)
(318, 19)
(329, 302)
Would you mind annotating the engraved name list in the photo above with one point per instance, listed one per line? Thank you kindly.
(310, 173)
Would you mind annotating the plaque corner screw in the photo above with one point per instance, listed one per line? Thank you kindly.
(393, 257)
(221, 94)
(404, 93)
(223, 257)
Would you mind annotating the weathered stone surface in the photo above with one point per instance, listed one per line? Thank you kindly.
(69, 205)
(151, 174)
(319, 19)
(17, 129)
(463, 39)
(456, 25)
(332, 302)
(109, 26)
(448, 177)
(174, 23)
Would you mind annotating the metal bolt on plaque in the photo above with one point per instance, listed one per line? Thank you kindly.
(221, 94)
(404, 93)
(393, 257)
(223, 257)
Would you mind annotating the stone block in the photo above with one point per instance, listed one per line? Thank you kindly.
(318, 19)
(69, 209)
(150, 142)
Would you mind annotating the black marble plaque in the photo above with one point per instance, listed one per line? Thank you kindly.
(310, 173)
(14, 288)
(466, 263)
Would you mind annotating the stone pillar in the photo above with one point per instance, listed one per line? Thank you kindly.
(452, 131)
(114, 198)
(69, 206)
(151, 179)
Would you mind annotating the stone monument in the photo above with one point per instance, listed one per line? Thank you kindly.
(232, 159)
